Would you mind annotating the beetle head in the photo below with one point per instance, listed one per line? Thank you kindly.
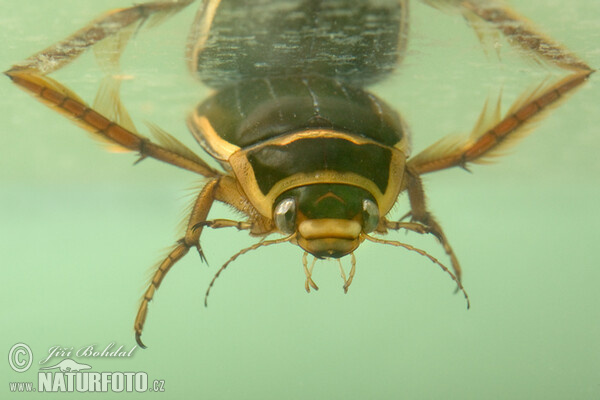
(328, 219)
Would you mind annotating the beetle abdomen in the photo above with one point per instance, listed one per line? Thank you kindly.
(257, 110)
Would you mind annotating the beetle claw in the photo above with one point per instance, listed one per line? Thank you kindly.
(138, 339)
(201, 254)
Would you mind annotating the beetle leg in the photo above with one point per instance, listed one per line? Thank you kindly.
(520, 32)
(425, 222)
(228, 192)
(224, 223)
(411, 226)
(223, 189)
(421, 227)
(515, 27)
(58, 97)
(490, 137)
(115, 127)
(111, 23)
(191, 239)
(493, 132)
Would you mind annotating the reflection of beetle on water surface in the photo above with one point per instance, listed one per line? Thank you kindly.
(306, 150)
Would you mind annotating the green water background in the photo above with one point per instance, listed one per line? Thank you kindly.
(80, 230)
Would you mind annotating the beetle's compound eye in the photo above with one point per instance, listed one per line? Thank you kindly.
(370, 215)
(285, 215)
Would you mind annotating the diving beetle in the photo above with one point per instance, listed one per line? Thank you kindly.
(306, 150)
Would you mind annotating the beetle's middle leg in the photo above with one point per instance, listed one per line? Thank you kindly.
(422, 221)
(224, 189)
(190, 239)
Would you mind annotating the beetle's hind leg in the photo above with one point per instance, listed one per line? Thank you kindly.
(493, 131)
(111, 23)
(107, 120)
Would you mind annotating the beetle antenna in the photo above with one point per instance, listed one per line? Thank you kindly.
(423, 253)
(239, 253)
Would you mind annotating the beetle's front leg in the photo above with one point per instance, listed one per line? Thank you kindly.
(410, 226)
(224, 223)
